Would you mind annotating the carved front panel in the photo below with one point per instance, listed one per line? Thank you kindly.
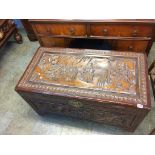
(115, 115)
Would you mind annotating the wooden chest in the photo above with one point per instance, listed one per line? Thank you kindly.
(103, 86)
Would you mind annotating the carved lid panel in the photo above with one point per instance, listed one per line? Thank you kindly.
(94, 74)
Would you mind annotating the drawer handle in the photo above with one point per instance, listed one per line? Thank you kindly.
(130, 47)
(48, 29)
(105, 31)
(72, 30)
(135, 32)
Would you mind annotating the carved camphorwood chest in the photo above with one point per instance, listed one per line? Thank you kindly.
(103, 86)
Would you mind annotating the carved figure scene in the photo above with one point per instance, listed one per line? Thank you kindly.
(114, 74)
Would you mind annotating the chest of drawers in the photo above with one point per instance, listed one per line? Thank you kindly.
(122, 35)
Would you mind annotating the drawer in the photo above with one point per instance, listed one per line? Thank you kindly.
(61, 29)
(52, 42)
(114, 30)
(131, 45)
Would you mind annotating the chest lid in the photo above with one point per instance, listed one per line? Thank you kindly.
(104, 76)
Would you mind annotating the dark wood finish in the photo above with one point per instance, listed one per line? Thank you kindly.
(82, 83)
(125, 30)
(54, 42)
(152, 76)
(61, 29)
(29, 30)
(7, 29)
(118, 30)
(131, 45)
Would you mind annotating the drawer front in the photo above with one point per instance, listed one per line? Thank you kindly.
(52, 42)
(131, 45)
(121, 30)
(61, 29)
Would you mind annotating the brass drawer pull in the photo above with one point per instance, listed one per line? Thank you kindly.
(135, 33)
(72, 31)
(130, 47)
(48, 30)
(105, 31)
